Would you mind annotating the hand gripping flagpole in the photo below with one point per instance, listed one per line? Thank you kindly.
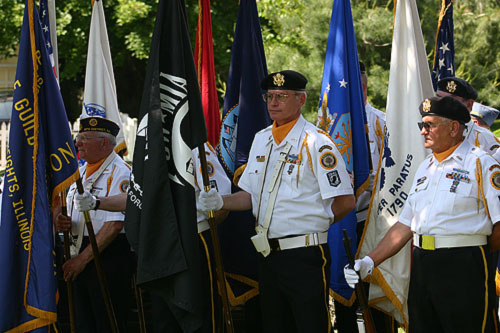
(215, 241)
(98, 264)
(67, 256)
(363, 313)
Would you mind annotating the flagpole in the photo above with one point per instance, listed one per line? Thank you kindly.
(67, 256)
(140, 304)
(215, 241)
(98, 264)
(53, 33)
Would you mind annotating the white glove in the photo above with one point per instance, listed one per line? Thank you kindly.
(85, 201)
(363, 266)
(210, 200)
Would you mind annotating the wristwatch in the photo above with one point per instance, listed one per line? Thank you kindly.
(97, 204)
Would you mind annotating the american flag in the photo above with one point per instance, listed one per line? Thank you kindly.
(444, 54)
(45, 24)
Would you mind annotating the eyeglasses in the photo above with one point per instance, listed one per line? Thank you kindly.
(281, 98)
(427, 125)
(83, 138)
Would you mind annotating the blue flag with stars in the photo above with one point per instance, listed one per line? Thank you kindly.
(45, 23)
(444, 54)
(41, 162)
(342, 114)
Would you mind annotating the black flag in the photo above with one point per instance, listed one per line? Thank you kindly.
(161, 211)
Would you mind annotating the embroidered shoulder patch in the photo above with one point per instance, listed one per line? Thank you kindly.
(333, 178)
(325, 147)
(328, 160)
(495, 180)
(495, 166)
(210, 169)
(124, 186)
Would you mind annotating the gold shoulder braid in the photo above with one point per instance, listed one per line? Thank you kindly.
(480, 190)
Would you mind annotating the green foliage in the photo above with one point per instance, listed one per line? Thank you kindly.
(295, 35)
(11, 18)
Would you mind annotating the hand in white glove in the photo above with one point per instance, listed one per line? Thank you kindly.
(363, 266)
(210, 200)
(85, 201)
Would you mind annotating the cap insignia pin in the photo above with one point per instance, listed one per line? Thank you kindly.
(451, 86)
(279, 79)
(426, 107)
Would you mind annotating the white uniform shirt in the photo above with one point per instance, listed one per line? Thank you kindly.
(444, 198)
(216, 176)
(313, 175)
(481, 137)
(115, 179)
(376, 125)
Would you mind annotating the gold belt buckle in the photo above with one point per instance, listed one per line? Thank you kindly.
(428, 242)
(307, 240)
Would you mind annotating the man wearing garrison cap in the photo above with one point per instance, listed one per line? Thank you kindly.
(296, 183)
(461, 90)
(483, 115)
(104, 174)
(452, 213)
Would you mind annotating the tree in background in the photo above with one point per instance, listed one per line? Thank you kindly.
(294, 32)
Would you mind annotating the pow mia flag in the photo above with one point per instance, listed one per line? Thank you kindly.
(161, 210)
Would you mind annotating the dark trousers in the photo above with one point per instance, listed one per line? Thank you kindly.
(294, 290)
(451, 290)
(164, 320)
(345, 318)
(90, 310)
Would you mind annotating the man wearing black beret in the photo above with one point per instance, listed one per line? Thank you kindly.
(451, 213)
(296, 183)
(462, 91)
(104, 174)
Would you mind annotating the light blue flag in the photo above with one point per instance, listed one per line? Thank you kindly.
(342, 114)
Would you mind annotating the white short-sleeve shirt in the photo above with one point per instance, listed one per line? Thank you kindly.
(376, 126)
(313, 175)
(481, 137)
(114, 180)
(445, 197)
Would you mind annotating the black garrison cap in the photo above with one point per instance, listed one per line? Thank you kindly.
(99, 124)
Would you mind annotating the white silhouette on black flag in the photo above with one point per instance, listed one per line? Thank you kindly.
(161, 212)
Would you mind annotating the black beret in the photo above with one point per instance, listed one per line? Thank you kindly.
(286, 80)
(458, 87)
(99, 124)
(447, 107)
(362, 67)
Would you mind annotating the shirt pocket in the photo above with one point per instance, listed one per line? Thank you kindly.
(457, 194)
(254, 176)
(293, 176)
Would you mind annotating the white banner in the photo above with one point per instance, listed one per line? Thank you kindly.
(100, 97)
(409, 84)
